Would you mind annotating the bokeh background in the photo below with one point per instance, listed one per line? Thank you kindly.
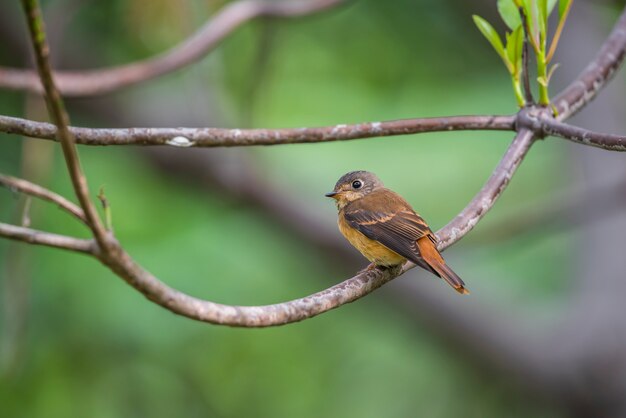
(251, 226)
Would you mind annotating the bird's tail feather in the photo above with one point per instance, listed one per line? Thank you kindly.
(451, 278)
(435, 261)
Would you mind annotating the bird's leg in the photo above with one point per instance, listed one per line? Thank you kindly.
(370, 267)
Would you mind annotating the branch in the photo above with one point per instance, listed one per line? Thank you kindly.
(345, 292)
(32, 236)
(227, 20)
(57, 112)
(609, 142)
(528, 94)
(221, 137)
(299, 309)
(603, 67)
(32, 189)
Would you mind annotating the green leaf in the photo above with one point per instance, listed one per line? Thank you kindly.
(542, 6)
(551, 4)
(534, 7)
(494, 39)
(514, 45)
(532, 17)
(509, 13)
(542, 18)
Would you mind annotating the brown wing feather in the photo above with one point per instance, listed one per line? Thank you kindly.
(386, 217)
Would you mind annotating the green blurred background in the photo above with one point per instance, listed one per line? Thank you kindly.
(78, 342)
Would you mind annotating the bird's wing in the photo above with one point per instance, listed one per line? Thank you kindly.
(396, 226)
(390, 220)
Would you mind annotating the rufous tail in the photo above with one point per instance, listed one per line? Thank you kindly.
(433, 258)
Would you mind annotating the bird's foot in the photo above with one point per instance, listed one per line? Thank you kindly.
(371, 267)
(374, 266)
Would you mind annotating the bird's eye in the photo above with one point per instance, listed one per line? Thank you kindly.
(357, 184)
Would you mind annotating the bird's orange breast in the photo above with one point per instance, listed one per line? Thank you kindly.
(373, 250)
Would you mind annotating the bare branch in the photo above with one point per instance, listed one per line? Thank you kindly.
(534, 120)
(296, 310)
(221, 137)
(26, 187)
(100, 81)
(348, 291)
(584, 89)
(33, 236)
(609, 142)
(248, 316)
(57, 112)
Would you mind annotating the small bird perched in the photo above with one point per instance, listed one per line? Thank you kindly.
(384, 227)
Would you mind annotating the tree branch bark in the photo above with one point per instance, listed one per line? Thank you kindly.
(597, 73)
(26, 187)
(221, 137)
(583, 136)
(192, 49)
(57, 112)
(33, 236)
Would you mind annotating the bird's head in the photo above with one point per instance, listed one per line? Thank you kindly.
(353, 186)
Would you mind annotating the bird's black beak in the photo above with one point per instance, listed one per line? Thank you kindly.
(331, 194)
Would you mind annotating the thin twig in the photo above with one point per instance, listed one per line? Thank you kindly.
(525, 60)
(31, 189)
(33, 236)
(220, 137)
(600, 70)
(190, 50)
(558, 32)
(609, 142)
(57, 112)
(544, 124)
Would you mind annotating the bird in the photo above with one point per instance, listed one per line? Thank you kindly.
(385, 229)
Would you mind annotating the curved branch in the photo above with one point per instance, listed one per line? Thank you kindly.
(296, 310)
(352, 289)
(221, 137)
(348, 291)
(33, 236)
(26, 187)
(583, 136)
(599, 71)
(100, 81)
(247, 316)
